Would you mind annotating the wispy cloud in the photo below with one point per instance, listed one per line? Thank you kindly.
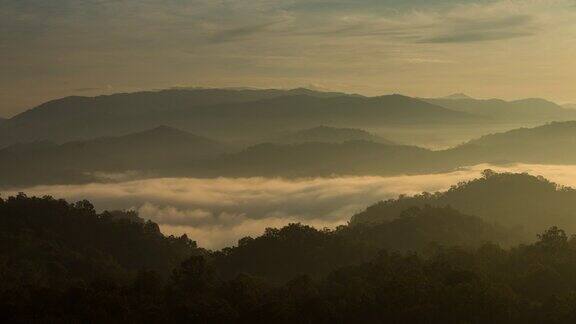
(154, 44)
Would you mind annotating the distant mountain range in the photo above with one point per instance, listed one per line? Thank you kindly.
(162, 150)
(250, 115)
(165, 151)
(327, 134)
(77, 139)
(569, 106)
(551, 143)
(524, 110)
(218, 113)
(458, 96)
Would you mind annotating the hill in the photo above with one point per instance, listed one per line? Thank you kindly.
(47, 242)
(162, 149)
(326, 134)
(325, 159)
(66, 263)
(220, 113)
(524, 110)
(279, 254)
(520, 201)
(457, 96)
(550, 143)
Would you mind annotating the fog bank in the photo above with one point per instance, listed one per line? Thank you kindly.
(218, 212)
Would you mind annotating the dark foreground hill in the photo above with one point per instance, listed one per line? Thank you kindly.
(220, 113)
(47, 242)
(66, 263)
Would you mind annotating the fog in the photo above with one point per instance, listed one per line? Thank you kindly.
(218, 212)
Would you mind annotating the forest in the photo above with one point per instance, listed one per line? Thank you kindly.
(427, 263)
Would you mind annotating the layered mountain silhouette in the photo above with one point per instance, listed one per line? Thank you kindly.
(219, 113)
(165, 151)
(458, 96)
(550, 143)
(532, 109)
(162, 149)
(327, 134)
(325, 159)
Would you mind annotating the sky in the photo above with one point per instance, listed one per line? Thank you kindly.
(485, 48)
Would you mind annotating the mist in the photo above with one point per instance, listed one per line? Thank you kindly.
(218, 212)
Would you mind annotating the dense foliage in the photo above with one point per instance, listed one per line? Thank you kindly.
(280, 254)
(46, 242)
(515, 200)
(62, 262)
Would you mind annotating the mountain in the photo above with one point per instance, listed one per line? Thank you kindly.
(550, 143)
(64, 262)
(313, 159)
(217, 113)
(520, 201)
(569, 106)
(326, 134)
(524, 110)
(296, 249)
(457, 96)
(62, 241)
(319, 151)
(160, 149)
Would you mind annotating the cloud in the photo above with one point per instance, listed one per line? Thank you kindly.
(479, 29)
(218, 212)
(239, 33)
(47, 47)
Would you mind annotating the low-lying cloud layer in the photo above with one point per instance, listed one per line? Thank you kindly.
(218, 212)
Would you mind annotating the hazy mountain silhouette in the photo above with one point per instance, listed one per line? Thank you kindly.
(320, 151)
(220, 113)
(520, 201)
(569, 106)
(327, 134)
(550, 143)
(457, 96)
(523, 110)
(325, 159)
(162, 149)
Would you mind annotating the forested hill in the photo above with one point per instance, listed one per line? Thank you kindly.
(525, 202)
(49, 242)
(63, 262)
